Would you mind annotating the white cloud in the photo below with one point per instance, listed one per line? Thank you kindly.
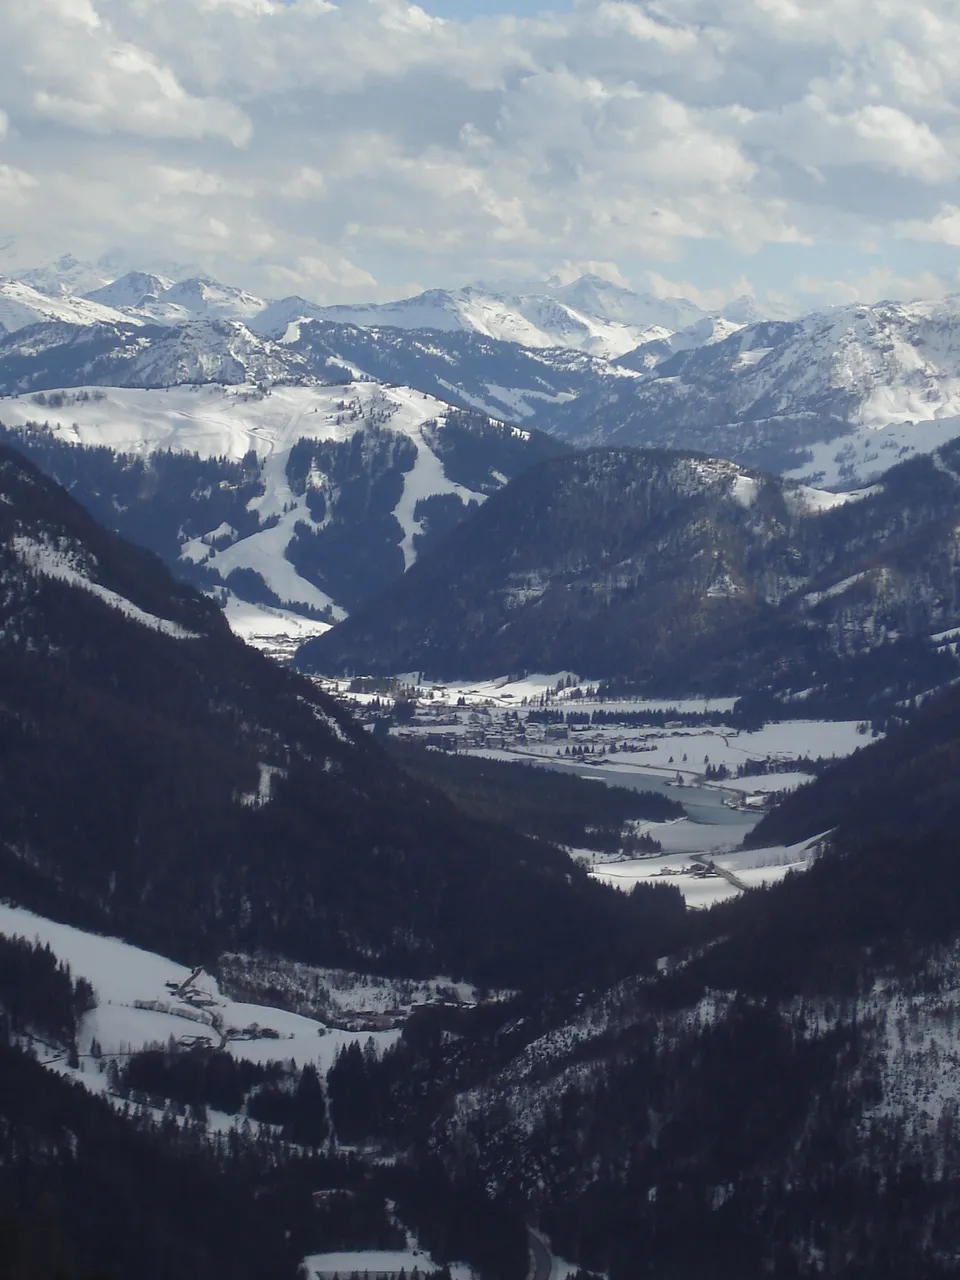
(876, 285)
(310, 274)
(942, 228)
(15, 184)
(344, 147)
(878, 136)
(709, 299)
(566, 272)
(68, 62)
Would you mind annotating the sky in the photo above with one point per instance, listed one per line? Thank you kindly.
(802, 151)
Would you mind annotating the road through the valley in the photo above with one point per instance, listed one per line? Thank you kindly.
(541, 1259)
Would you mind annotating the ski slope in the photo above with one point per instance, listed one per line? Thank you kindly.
(217, 421)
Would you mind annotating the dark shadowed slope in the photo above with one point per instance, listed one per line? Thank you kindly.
(161, 780)
(679, 572)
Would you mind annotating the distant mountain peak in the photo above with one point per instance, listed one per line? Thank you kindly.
(209, 296)
(68, 276)
(22, 305)
(132, 290)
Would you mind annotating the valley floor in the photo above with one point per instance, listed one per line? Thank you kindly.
(687, 749)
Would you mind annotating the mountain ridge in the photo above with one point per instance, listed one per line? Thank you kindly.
(823, 397)
(834, 396)
(677, 573)
(589, 313)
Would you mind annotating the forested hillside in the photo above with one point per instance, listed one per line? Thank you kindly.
(676, 573)
(163, 781)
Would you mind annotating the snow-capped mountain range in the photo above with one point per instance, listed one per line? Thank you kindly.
(835, 397)
(21, 306)
(143, 362)
(589, 314)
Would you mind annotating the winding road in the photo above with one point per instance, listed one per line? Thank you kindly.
(541, 1259)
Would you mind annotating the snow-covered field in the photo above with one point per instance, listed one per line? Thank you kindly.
(377, 1262)
(699, 878)
(509, 693)
(275, 631)
(870, 449)
(143, 998)
(690, 750)
(475, 714)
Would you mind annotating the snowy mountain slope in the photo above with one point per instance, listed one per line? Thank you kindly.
(778, 393)
(539, 320)
(341, 486)
(46, 356)
(162, 300)
(44, 557)
(285, 514)
(208, 349)
(134, 290)
(211, 420)
(68, 276)
(591, 295)
(50, 357)
(645, 358)
(202, 297)
(21, 305)
(864, 1087)
(546, 324)
(157, 296)
(500, 378)
(702, 333)
(50, 547)
(861, 455)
